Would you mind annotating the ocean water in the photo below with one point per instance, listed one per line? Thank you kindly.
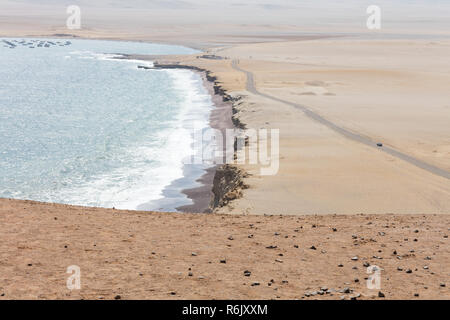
(79, 127)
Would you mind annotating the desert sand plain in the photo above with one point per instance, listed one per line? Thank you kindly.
(393, 91)
(389, 91)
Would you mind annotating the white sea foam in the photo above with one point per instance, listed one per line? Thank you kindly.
(90, 129)
(141, 181)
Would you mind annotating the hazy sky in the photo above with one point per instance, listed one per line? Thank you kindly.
(403, 14)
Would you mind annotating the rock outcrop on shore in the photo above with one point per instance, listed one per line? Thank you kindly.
(228, 179)
(227, 186)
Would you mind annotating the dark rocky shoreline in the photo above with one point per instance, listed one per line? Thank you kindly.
(225, 182)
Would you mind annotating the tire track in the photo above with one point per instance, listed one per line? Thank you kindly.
(354, 136)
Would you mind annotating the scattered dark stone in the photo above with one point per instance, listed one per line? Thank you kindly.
(355, 258)
(380, 294)
(442, 285)
(313, 248)
(340, 265)
(409, 271)
(190, 274)
(276, 234)
(247, 273)
(30, 264)
(334, 230)
(194, 254)
(416, 294)
(355, 297)
(173, 293)
(395, 252)
(427, 258)
(356, 280)
(366, 264)
(230, 238)
(296, 246)
(254, 284)
(347, 290)
(271, 247)
(117, 297)
(223, 261)
(284, 282)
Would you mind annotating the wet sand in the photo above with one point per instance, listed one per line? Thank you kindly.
(394, 91)
(220, 119)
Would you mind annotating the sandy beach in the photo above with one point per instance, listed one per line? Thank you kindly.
(322, 171)
(338, 204)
